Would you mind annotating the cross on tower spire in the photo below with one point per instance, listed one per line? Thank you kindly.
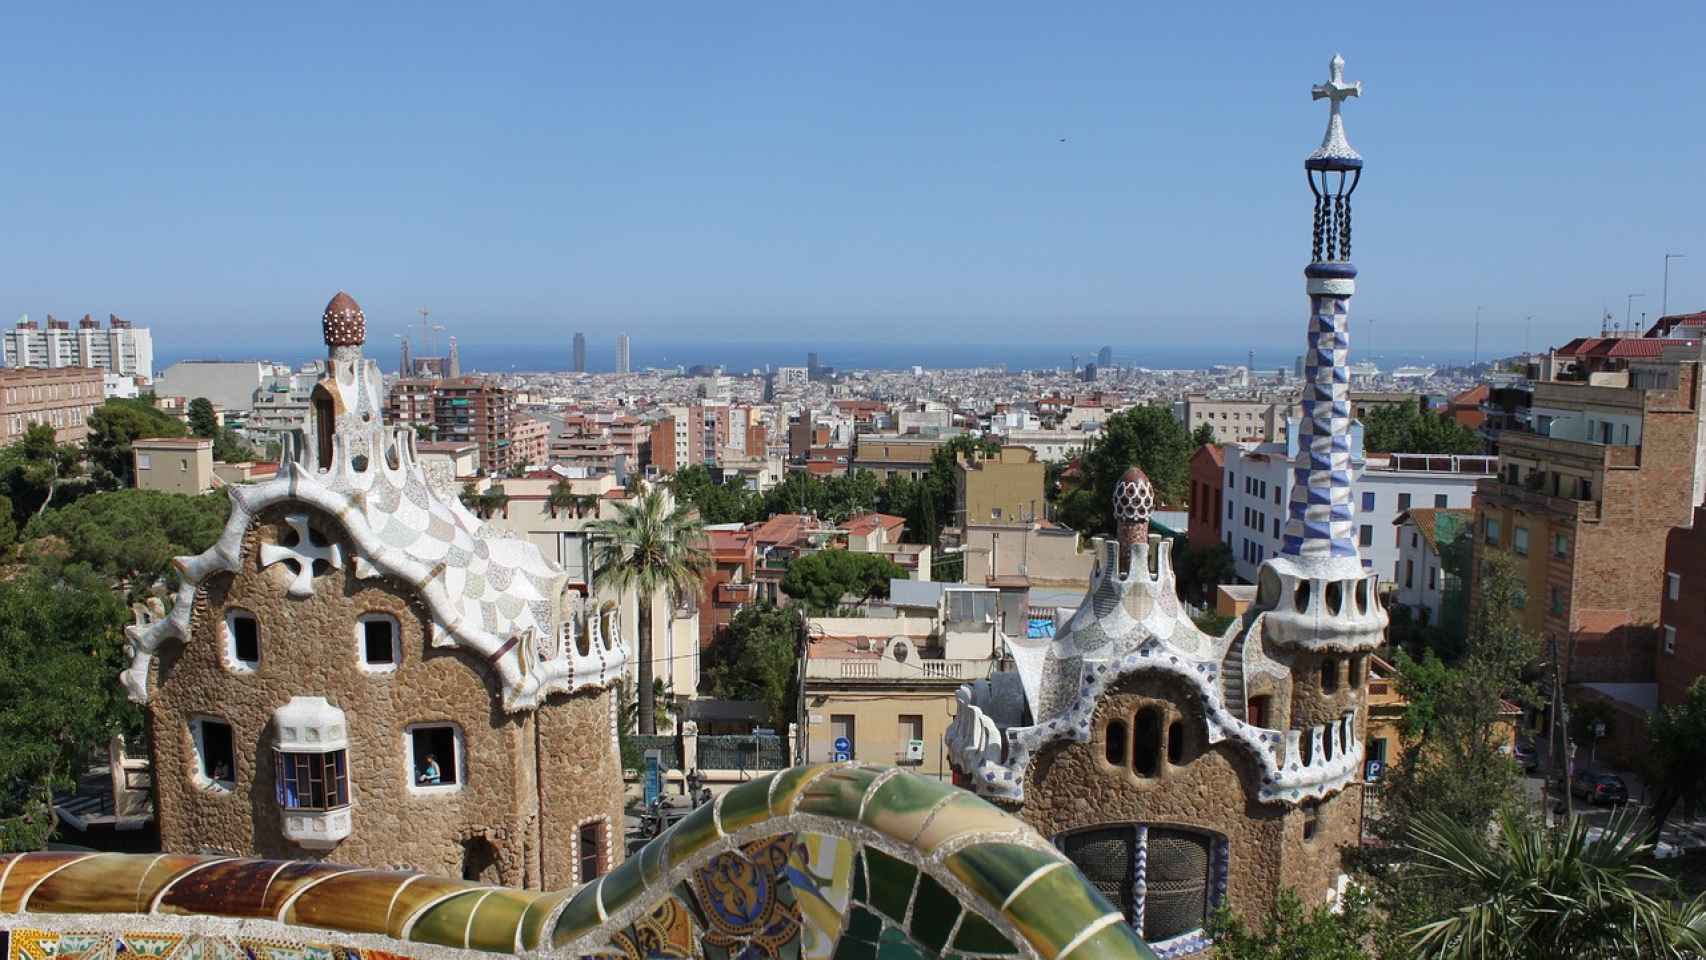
(1336, 91)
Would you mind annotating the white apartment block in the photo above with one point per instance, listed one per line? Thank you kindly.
(1234, 420)
(1258, 482)
(1052, 445)
(1420, 581)
(119, 348)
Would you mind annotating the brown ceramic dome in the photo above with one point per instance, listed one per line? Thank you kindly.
(1134, 496)
(343, 323)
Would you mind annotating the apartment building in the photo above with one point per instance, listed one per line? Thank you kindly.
(529, 442)
(120, 349)
(678, 439)
(1422, 581)
(61, 397)
(1257, 488)
(1682, 610)
(1055, 446)
(1006, 487)
(1234, 420)
(888, 454)
(410, 402)
(1208, 466)
(472, 409)
(1589, 494)
(883, 687)
(729, 583)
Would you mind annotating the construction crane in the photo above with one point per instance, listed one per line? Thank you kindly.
(429, 332)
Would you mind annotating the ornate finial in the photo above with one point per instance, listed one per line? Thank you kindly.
(343, 323)
(1334, 146)
(1134, 501)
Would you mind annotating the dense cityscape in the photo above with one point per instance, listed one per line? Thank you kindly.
(384, 654)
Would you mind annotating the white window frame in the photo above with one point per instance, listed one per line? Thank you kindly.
(200, 777)
(1673, 585)
(1670, 639)
(361, 642)
(229, 651)
(459, 751)
(144, 461)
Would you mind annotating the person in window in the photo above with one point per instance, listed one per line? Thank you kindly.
(222, 771)
(430, 774)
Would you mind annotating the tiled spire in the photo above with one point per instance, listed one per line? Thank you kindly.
(1322, 514)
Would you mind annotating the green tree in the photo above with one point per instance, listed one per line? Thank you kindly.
(112, 427)
(1404, 428)
(1148, 436)
(37, 469)
(1201, 570)
(755, 659)
(1295, 932)
(650, 547)
(203, 422)
(1529, 891)
(228, 447)
(1677, 755)
(61, 649)
(820, 580)
(562, 498)
(129, 537)
(1202, 436)
(718, 502)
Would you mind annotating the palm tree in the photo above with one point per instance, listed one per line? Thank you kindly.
(650, 546)
(563, 497)
(1544, 893)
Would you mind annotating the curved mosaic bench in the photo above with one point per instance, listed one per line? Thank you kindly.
(829, 862)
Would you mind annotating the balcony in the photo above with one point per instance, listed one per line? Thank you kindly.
(1532, 501)
(916, 671)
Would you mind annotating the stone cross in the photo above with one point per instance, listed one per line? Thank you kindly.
(302, 554)
(1337, 91)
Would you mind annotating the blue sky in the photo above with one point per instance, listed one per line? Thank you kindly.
(788, 171)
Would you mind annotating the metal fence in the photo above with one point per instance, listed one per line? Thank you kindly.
(665, 745)
(742, 753)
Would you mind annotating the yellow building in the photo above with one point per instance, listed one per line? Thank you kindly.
(1004, 488)
(1386, 708)
(173, 464)
(882, 689)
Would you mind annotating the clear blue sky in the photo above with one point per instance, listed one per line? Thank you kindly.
(784, 171)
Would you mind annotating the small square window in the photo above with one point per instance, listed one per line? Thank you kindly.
(244, 632)
(1403, 502)
(435, 756)
(591, 853)
(1439, 501)
(1519, 541)
(215, 753)
(1673, 585)
(1670, 639)
(377, 635)
(1311, 819)
(1368, 500)
(1560, 545)
(1365, 536)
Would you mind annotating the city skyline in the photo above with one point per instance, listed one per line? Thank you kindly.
(1054, 196)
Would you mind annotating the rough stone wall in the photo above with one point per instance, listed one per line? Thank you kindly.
(308, 647)
(1072, 785)
(1311, 868)
(1310, 704)
(580, 779)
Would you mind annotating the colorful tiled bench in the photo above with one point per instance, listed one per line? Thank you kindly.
(830, 862)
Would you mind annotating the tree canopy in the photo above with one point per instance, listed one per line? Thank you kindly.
(755, 659)
(113, 426)
(820, 580)
(1404, 428)
(61, 650)
(1677, 761)
(36, 471)
(129, 537)
(1148, 436)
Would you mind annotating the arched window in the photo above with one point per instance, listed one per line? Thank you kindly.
(1335, 596)
(1329, 674)
(1146, 742)
(1311, 819)
(1176, 743)
(1306, 747)
(1357, 665)
(1178, 894)
(1115, 737)
(1327, 743)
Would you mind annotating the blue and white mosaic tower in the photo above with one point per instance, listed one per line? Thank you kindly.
(1317, 591)
(1322, 520)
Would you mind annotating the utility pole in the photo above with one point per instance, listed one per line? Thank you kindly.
(1664, 311)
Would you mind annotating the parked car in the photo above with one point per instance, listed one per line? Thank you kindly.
(1596, 787)
(1526, 757)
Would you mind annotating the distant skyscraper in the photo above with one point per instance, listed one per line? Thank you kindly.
(811, 365)
(622, 353)
(580, 353)
(406, 368)
(1105, 357)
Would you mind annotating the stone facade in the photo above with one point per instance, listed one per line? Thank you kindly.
(482, 656)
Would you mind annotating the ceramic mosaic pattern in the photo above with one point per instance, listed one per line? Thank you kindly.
(491, 593)
(829, 862)
(1322, 515)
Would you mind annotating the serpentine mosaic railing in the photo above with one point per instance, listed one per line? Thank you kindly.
(828, 862)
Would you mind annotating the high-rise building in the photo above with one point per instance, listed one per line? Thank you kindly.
(121, 348)
(580, 353)
(1105, 357)
(622, 353)
(471, 409)
(811, 365)
(454, 360)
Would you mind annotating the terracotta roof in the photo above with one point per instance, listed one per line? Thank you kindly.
(1427, 520)
(1473, 396)
(1664, 325)
(865, 523)
(784, 528)
(1624, 347)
